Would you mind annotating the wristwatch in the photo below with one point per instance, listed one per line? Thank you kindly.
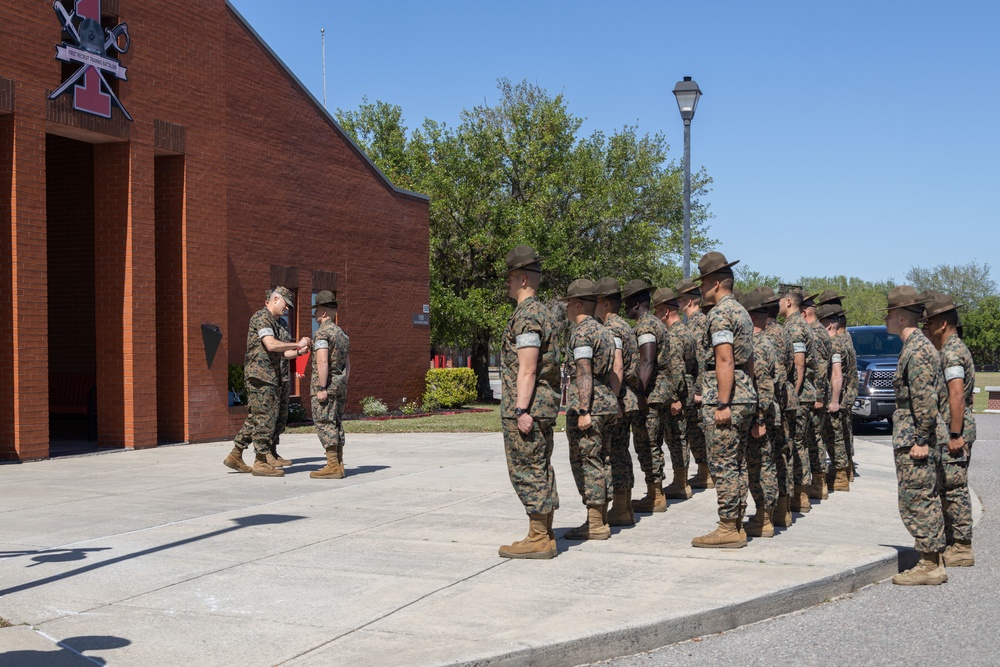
(520, 411)
(955, 436)
(723, 406)
(584, 412)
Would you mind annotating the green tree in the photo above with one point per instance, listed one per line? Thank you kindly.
(982, 330)
(965, 283)
(518, 172)
(864, 300)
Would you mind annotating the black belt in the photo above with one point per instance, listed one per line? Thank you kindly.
(739, 367)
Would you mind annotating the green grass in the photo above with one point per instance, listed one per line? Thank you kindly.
(984, 380)
(467, 422)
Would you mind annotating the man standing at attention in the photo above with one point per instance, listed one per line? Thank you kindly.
(262, 374)
(331, 368)
(817, 445)
(530, 404)
(941, 326)
(728, 400)
(801, 375)
(689, 299)
(918, 432)
(833, 425)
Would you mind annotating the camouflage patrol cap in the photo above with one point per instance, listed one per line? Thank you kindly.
(939, 303)
(608, 287)
(688, 288)
(582, 289)
(665, 296)
(753, 301)
(713, 262)
(285, 294)
(634, 287)
(829, 311)
(524, 257)
(829, 296)
(907, 297)
(325, 298)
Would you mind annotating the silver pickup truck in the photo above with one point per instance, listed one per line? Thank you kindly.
(878, 352)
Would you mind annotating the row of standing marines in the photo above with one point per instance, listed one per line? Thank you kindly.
(760, 405)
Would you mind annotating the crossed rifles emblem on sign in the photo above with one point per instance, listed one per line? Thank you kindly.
(89, 48)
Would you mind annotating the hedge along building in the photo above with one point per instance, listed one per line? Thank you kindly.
(157, 176)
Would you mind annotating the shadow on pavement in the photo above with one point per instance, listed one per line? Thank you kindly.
(70, 652)
(907, 556)
(52, 555)
(241, 522)
(357, 470)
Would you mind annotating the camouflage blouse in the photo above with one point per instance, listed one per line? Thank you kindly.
(803, 342)
(850, 368)
(784, 364)
(766, 375)
(920, 392)
(590, 340)
(331, 337)
(285, 336)
(259, 364)
(625, 336)
(531, 325)
(841, 354)
(649, 329)
(956, 360)
(730, 323)
(824, 350)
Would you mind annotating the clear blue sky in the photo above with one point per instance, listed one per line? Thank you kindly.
(845, 137)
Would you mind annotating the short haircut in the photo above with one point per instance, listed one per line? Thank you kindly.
(640, 297)
(727, 282)
(796, 298)
(951, 317)
(589, 306)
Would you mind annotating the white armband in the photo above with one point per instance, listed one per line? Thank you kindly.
(954, 373)
(321, 345)
(618, 343)
(799, 348)
(835, 359)
(646, 338)
(266, 331)
(722, 338)
(528, 340)
(585, 352)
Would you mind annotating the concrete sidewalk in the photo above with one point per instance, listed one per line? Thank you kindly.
(164, 556)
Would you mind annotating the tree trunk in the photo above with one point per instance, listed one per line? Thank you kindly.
(481, 364)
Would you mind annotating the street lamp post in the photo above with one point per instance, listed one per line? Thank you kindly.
(687, 94)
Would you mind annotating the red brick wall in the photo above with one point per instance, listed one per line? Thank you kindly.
(7, 451)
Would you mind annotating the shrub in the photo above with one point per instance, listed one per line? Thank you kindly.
(237, 383)
(373, 407)
(450, 387)
(410, 408)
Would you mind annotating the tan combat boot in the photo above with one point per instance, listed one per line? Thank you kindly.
(537, 545)
(333, 469)
(842, 481)
(593, 528)
(679, 489)
(552, 535)
(235, 461)
(959, 554)
(261, 467)
(281, 462)
(929, 571)
(653, 502)
(702, 479)
(340, 456)
(817, 490)
(800, 500)
(729, 535)
(621, 513)
(273, 461)
(782, 515)
(760, 524)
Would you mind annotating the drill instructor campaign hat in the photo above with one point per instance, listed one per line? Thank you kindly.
(608, 287)
(687, 287)
(286, 295)
(939, 303)
(523, 257)
(907, 297)
(634, 287)
(666, 296)
(325, 298)
(809, 300)
(582, 289)
(829, 296)
(754, 300)
(713, 262)
(829, 311)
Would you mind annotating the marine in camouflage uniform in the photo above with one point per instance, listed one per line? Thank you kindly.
(803, 395)
(918, 434)
(262, 375)
(689, 297)
(941, 326)
(622, 475)
(817, 445)
(761, 468)
(726, 419)
(850, 395)
(833, 422)
(677, 389)
(647, 426)
(330, 400)
(285, 336)
(527, 417)
(591, 408)
(784, 390)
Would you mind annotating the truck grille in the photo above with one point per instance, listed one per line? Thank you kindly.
(881, 379)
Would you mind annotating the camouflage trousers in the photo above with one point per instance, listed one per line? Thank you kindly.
(848, 428)
(328, 418)
(282, 422)
(956, 505)
(781, 448)
(920, 499)
(647, 438)
(675, 436)
(762, 471)
(529, 465)
(262, 416)
(799, 425)
(622, 474)
(727, 458)
(590, 458)
(833, 436)
(695, 436)
(816, 442)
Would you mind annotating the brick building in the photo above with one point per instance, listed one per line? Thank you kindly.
(164, 190)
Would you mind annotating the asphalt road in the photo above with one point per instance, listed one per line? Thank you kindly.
(956, 623)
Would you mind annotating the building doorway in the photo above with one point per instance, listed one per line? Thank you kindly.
(171, 402)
